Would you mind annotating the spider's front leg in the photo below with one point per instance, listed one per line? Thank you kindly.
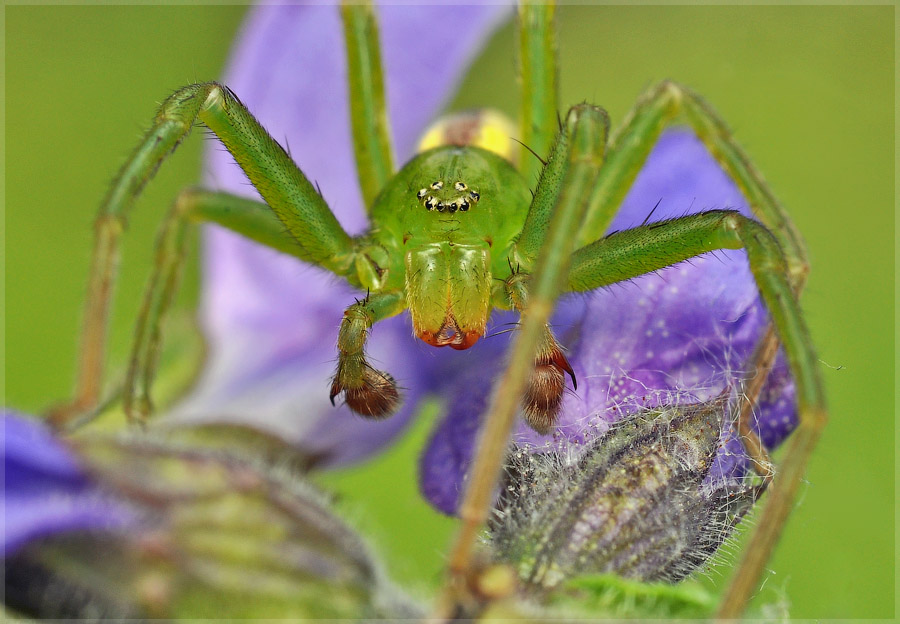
(368, 392)
(628, 254)
(629, 148)
(660, 107)
(554, 217)
(292, 204)
(294, 218)
(573, 162)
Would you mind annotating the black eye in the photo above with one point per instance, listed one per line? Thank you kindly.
(453, 207)
(474, 195)
(463, 205)
(440, 207)
(422, 193)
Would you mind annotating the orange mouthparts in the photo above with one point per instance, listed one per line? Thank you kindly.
(450, 335)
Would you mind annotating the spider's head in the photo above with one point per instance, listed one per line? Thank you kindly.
(452, 214)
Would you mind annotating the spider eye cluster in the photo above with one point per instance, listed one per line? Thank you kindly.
(460, 198)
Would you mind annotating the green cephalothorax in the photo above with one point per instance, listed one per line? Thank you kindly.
(457, 232)
(448, 219)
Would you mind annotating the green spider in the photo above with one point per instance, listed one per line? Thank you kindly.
(456, 233)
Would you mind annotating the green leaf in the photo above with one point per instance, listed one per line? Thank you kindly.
(609, 595)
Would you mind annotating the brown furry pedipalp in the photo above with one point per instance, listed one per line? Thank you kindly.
(543, 397)
(377, 397)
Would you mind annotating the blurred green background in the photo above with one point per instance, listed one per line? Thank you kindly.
(809, 92)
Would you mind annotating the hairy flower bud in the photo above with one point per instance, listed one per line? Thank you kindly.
(635, 502)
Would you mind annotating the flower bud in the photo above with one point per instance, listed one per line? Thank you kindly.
(221, 536)
(635, 501)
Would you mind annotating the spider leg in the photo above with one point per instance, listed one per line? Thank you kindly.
(294, 201)
(539, 75)
(630, 145)
(581, 153)
(630, 253)
(367, 391)
(761, 362)
(534, 231)
(251, 219)
(661, 106)
(587, 128)
(369, 121)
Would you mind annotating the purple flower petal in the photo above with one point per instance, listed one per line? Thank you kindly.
(45, 489)
(681, 335)
(271, 321)
(446, 459)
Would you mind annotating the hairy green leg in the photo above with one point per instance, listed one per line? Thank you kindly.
(781, 497)
(296, 203)
(624, 255)
(545, 387)
(251, 219)
(534, 231)
(588, 127)
(539, 75)
(163, 283)
(663, 105)
(367, 391)
(544, 392)
(630, 145)
(369, 122)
